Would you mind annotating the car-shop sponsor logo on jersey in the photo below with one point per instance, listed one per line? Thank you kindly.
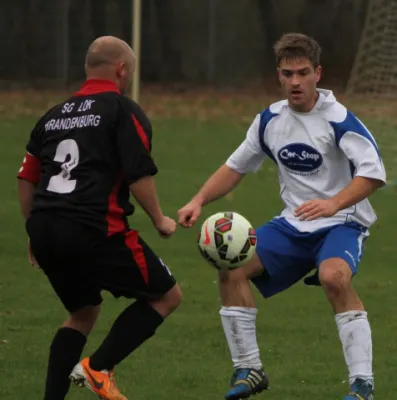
(300, 157)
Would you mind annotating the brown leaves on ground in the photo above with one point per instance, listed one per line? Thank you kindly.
(198, 103)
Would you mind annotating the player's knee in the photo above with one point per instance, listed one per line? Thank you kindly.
(335, 276)
(175, 298)
(169, 302)
(230, 277)
(83, 320)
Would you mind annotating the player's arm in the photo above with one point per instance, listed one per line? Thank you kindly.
(138, 168)
(29, 175)
(247, 158)
(361, 149)
(144, 191)
(222, 182)
(26, 191)
(28, 179)
(359, 189)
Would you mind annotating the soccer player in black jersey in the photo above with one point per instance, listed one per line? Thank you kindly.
(84, 158)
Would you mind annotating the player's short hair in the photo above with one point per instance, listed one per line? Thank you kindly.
(296, 45)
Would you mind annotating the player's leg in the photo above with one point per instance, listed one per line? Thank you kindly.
(83, 320)
(338, 259)
(238, 315)
(128, 267)
(65, 350)
(136, 324)
(270, 270)
(53, 249)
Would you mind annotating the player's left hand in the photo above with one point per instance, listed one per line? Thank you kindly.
(316, 208)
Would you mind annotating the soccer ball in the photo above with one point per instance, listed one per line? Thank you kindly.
(227, 240)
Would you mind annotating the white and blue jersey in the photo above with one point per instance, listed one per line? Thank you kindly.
(317, 154)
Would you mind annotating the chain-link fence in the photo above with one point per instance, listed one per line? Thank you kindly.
(223, 42)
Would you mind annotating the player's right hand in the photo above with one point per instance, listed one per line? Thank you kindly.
(166, 227)
(188, 215)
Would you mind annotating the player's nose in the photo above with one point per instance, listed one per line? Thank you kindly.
(295, 81)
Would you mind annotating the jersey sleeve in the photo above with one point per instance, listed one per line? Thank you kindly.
(133, 148)
(249, 156)
(361, 149)
(31, 165)
(34, 144)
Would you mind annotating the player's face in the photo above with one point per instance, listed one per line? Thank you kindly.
(299, 79)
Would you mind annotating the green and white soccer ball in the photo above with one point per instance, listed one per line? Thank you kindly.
(227, 240)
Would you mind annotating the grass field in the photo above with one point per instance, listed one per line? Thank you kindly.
(188, 359)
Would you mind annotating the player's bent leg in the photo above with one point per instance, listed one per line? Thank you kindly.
(66, 349)
(129, 268)
(136, 324)
(234, 286)
(238, 314)
(95, 373)
(169, 302)
(83, 320)
(354, 330)
(335, 277)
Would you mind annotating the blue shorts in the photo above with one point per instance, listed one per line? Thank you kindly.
(288, 255)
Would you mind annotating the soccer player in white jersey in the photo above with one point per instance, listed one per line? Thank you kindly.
(328, 164)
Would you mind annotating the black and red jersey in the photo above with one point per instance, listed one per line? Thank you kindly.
(85, 152)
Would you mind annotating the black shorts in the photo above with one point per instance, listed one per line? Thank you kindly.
(80, 263)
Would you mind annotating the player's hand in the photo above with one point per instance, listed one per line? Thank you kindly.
(32, 258)
(188, 215)
(316, 208)
(166, 227)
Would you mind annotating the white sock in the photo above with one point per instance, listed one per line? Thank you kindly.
(239, 324)
(355, 335)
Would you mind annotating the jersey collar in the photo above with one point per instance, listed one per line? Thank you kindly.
(95, 86)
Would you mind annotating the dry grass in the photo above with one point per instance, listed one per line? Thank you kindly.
(193, 103)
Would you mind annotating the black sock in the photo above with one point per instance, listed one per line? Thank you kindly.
(135, 324)
(65, 352)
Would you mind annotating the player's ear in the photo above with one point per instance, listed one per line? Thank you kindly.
(318, 71)
(121, 69)
(278, 72)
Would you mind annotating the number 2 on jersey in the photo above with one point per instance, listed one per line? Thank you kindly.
(61, 183)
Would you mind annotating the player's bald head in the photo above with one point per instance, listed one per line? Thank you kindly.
(112, 59)
(106, 51)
